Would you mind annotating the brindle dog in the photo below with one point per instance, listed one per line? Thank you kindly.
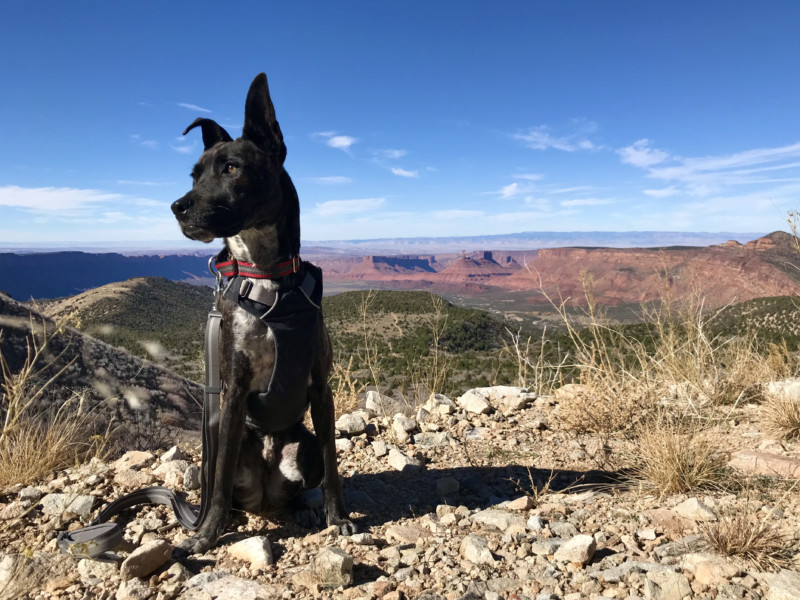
(242, 193)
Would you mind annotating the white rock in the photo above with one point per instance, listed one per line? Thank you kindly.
(380, 448)
(400, 461)
(695, 510)
(174, 453)
(440, 404)
(475, 549)
(344, 444)
(134, 459)
(579, 549)
(254, 550)
(58, 504)
(88, 568)
(407, 424)
(782, 586)
(134, 589)
(146, 559)
(351, 424)
(191, 478)
(500, 519)
(221, 585)
(333, 567)
(666, 585)
(474, 401)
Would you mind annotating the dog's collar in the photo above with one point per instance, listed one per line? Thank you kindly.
(227, 266)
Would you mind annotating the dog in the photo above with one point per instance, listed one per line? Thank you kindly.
(266, 456)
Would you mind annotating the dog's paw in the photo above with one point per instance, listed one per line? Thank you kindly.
(306, 517)
(346, 526)
(193, 545)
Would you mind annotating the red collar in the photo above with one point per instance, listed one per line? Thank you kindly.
(232, 267)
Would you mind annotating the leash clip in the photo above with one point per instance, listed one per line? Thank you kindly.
(218, 287)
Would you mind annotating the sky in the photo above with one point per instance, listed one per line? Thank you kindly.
(406, 119)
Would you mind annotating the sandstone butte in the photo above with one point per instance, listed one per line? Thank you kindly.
(724, 273)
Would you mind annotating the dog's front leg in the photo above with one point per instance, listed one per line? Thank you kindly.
(231, 429)
(322, 415)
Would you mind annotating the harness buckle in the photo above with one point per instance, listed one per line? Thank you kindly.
(295, 264)
(218, 287)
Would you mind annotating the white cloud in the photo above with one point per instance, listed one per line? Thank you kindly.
(331, 180)
(404, 173)
(640, 154)
(144, 183)
(541, 138)
(185, 148)
(194, 107)
(390, 154)
(510, 190)
(447, 215)
(529, 176)
(334, 208)
(51, 199)
(587, 202)
(340, 142)
(139, 141)
(663, 193)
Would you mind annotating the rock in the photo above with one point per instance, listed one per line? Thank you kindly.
(691, 543)
(400, 461)
(383, 405)
(134, 459)
(695, 510)
(475, 549)
(146, 559)
(408, 534)
(256, 551)
(666, 585)
(563, 529)
(174, 453)
(380, 448)
(440, 404)
(363, 539)
(475, 402)
(133, 589)
(430, 439)
(521, 503)
(404, 423)
(617, 574)
(129, 478)
(58, 504)
(191, 478)
(763, 463)
(172, 467)
(221, 585)
(447, 486)
(782, 586)
(546, 547)
(20, 574)
(578, 549)
(506, 397)
(344, 445)
(500, 519)
(535, 523)
(88, 569)
(333, 567)
(30, 494)
(351, 424)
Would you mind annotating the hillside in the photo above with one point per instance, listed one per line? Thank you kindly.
(117, 384)
(151, 317)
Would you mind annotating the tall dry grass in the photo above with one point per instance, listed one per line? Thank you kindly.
(35, 440)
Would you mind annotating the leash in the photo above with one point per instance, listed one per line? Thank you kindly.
(100, 536)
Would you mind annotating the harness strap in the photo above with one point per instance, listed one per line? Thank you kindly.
(100, 536)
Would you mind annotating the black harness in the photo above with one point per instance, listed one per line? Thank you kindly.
(291, 317)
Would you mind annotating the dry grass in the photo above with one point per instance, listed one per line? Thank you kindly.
(675, 455)
(346, 388)
(755, 540)
(33, 441)
(780, 416)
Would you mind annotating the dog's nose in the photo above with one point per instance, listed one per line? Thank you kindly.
(182, 205)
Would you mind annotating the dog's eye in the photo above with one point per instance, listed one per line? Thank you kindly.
(231, 168)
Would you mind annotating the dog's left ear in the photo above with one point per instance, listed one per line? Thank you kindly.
(260, 125)
(212, 132)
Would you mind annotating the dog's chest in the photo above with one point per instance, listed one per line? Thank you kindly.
(255, 341)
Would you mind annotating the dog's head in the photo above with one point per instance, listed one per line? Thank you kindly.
(237, 184)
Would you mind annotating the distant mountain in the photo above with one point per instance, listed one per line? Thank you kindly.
(57, 274)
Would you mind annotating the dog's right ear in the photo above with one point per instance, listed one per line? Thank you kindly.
(212, 132)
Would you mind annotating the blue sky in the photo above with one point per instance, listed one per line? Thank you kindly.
(411, 118)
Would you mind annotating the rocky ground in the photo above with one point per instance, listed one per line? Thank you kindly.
(486, 496)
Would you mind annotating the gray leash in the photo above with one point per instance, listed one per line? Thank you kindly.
(100, 536)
